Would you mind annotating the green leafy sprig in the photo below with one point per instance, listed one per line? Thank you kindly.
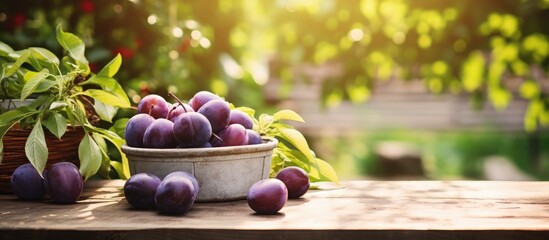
(292, 148)
(61, 90)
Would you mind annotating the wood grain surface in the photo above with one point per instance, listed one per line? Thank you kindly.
(357, 210)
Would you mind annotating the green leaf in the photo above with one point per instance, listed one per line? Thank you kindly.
(287, 115)
(68, 64)
(107, 98)
(108, 135)
(119, 168)
(44, 55)
(279, 125)
(105, 112)
(90, 157)
(105, 159)
(2, 71)
(12, 68)
(119, 126)
(76, 113)
(71, 116)
(111, 68)
(58, 105)
(39, 101)
(5, 49)
(56, 123)
(3, 130)
(265, 121)
(117, 141)
(297, 139)
(36, 149)
(277, 162)
(325, 170)
(32, 80)
(14, 116)
(110, 85)
(75, 46)
(44, 86)
(125, 173)
(41, 58)
(294, 155)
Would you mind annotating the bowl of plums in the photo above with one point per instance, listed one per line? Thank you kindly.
(205, 138)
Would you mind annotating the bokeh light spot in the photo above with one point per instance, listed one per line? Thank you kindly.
(399, 38)
(173, 54)
(195, 34)
(439, 68)
(136, 98)
(152, 19)
(205, 43)
(117, 8)
(356, 34)
(192, 24)
(424, 41)
(177, 32)
(172, 89)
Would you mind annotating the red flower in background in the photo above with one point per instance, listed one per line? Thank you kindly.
(18, 20)
(87, 6)
(93, 67)
(126, 53)
(184, 45)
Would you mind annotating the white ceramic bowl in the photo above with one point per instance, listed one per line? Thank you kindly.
(223, 173)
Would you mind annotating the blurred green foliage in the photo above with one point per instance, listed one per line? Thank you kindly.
(445, 155)
(233, 47)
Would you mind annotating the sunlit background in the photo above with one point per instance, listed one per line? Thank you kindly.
(389, 88)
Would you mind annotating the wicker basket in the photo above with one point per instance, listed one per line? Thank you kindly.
(64, 149)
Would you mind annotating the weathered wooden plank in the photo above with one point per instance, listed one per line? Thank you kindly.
(197, 234)
(373, 209)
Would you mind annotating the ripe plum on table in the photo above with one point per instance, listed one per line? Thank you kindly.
(26, 183)
(63, 182)
(267, 196)
(139, 190)
(187, 175)
(175, 195)
(295, 179)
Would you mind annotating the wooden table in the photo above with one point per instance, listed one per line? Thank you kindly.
(360, 210)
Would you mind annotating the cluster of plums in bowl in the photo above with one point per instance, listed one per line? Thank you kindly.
(205, 121)
(62, 182)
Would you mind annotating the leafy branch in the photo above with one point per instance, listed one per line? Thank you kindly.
(61, 91)
(292, 148)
